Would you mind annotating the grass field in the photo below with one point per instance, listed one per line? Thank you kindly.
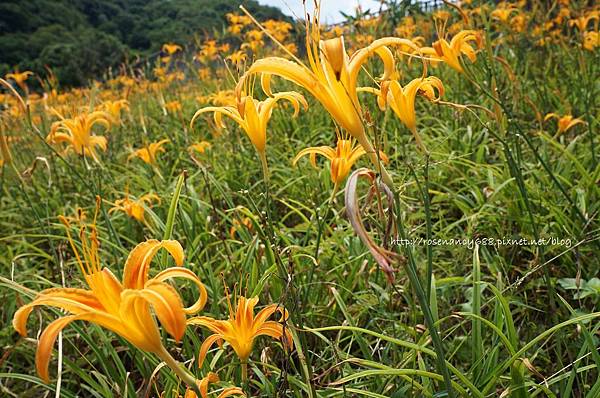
(441, 251)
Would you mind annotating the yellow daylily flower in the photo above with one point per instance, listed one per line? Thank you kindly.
(223, 98)
(245, 223)
(450, 52)
(242, 328)
(134, 208)
(149, 153)
(564, 123)
(503, 12)
(124, 307)
(203, 387)
(77, 133)
(518, 23)
(252, 116)
(199, 147)
(591, 40)
(583, 21)
(342, 158)
(114, 108)
(238, 58)
(171, 48)
(173, 107)
(331, 77)
(402, 99)
(19, 77)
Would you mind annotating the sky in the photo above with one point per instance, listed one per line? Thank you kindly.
(330, 9)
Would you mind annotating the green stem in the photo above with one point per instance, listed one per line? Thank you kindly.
(244, 372)
(265, 167)
(168, 233)
(411, 268)
(179, 370)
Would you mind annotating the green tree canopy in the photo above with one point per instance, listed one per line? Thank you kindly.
(80, 39)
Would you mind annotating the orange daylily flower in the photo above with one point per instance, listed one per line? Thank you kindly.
(125, 307)
(246, 222)
(114, 108)
(19, 77)
(565, 122)
(503, 12)
(252, 116)
(591, 40)
(171, 48)
(149, 153)
(238, 58)
(199, 147)
(451, 52)
(242, 328)
(331, 77)
(77, 133)
(173, 107)
(583, 21)
(342, 158)
(402, 99)
(134, 208)
(203, 387)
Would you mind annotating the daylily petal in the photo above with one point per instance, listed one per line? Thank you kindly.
(142, 329)
(210, 340)
(168, 307)
(75, 301)
(46, 342)
(177, 272)
(49, 335)
(212, 324)
(135, 274)
(275, 330)
(269, 310)
(325, 151)
(229, 391)
(212, 377)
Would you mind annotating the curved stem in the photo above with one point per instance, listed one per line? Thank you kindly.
(179, 370)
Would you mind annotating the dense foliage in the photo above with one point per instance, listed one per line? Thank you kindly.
(80, 39)
(407, 206)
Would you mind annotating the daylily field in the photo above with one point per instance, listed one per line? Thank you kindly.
(405, 204)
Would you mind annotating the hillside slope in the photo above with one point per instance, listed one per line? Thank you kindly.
(80, 39)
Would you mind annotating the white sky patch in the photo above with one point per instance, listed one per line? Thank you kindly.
(330, 9)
